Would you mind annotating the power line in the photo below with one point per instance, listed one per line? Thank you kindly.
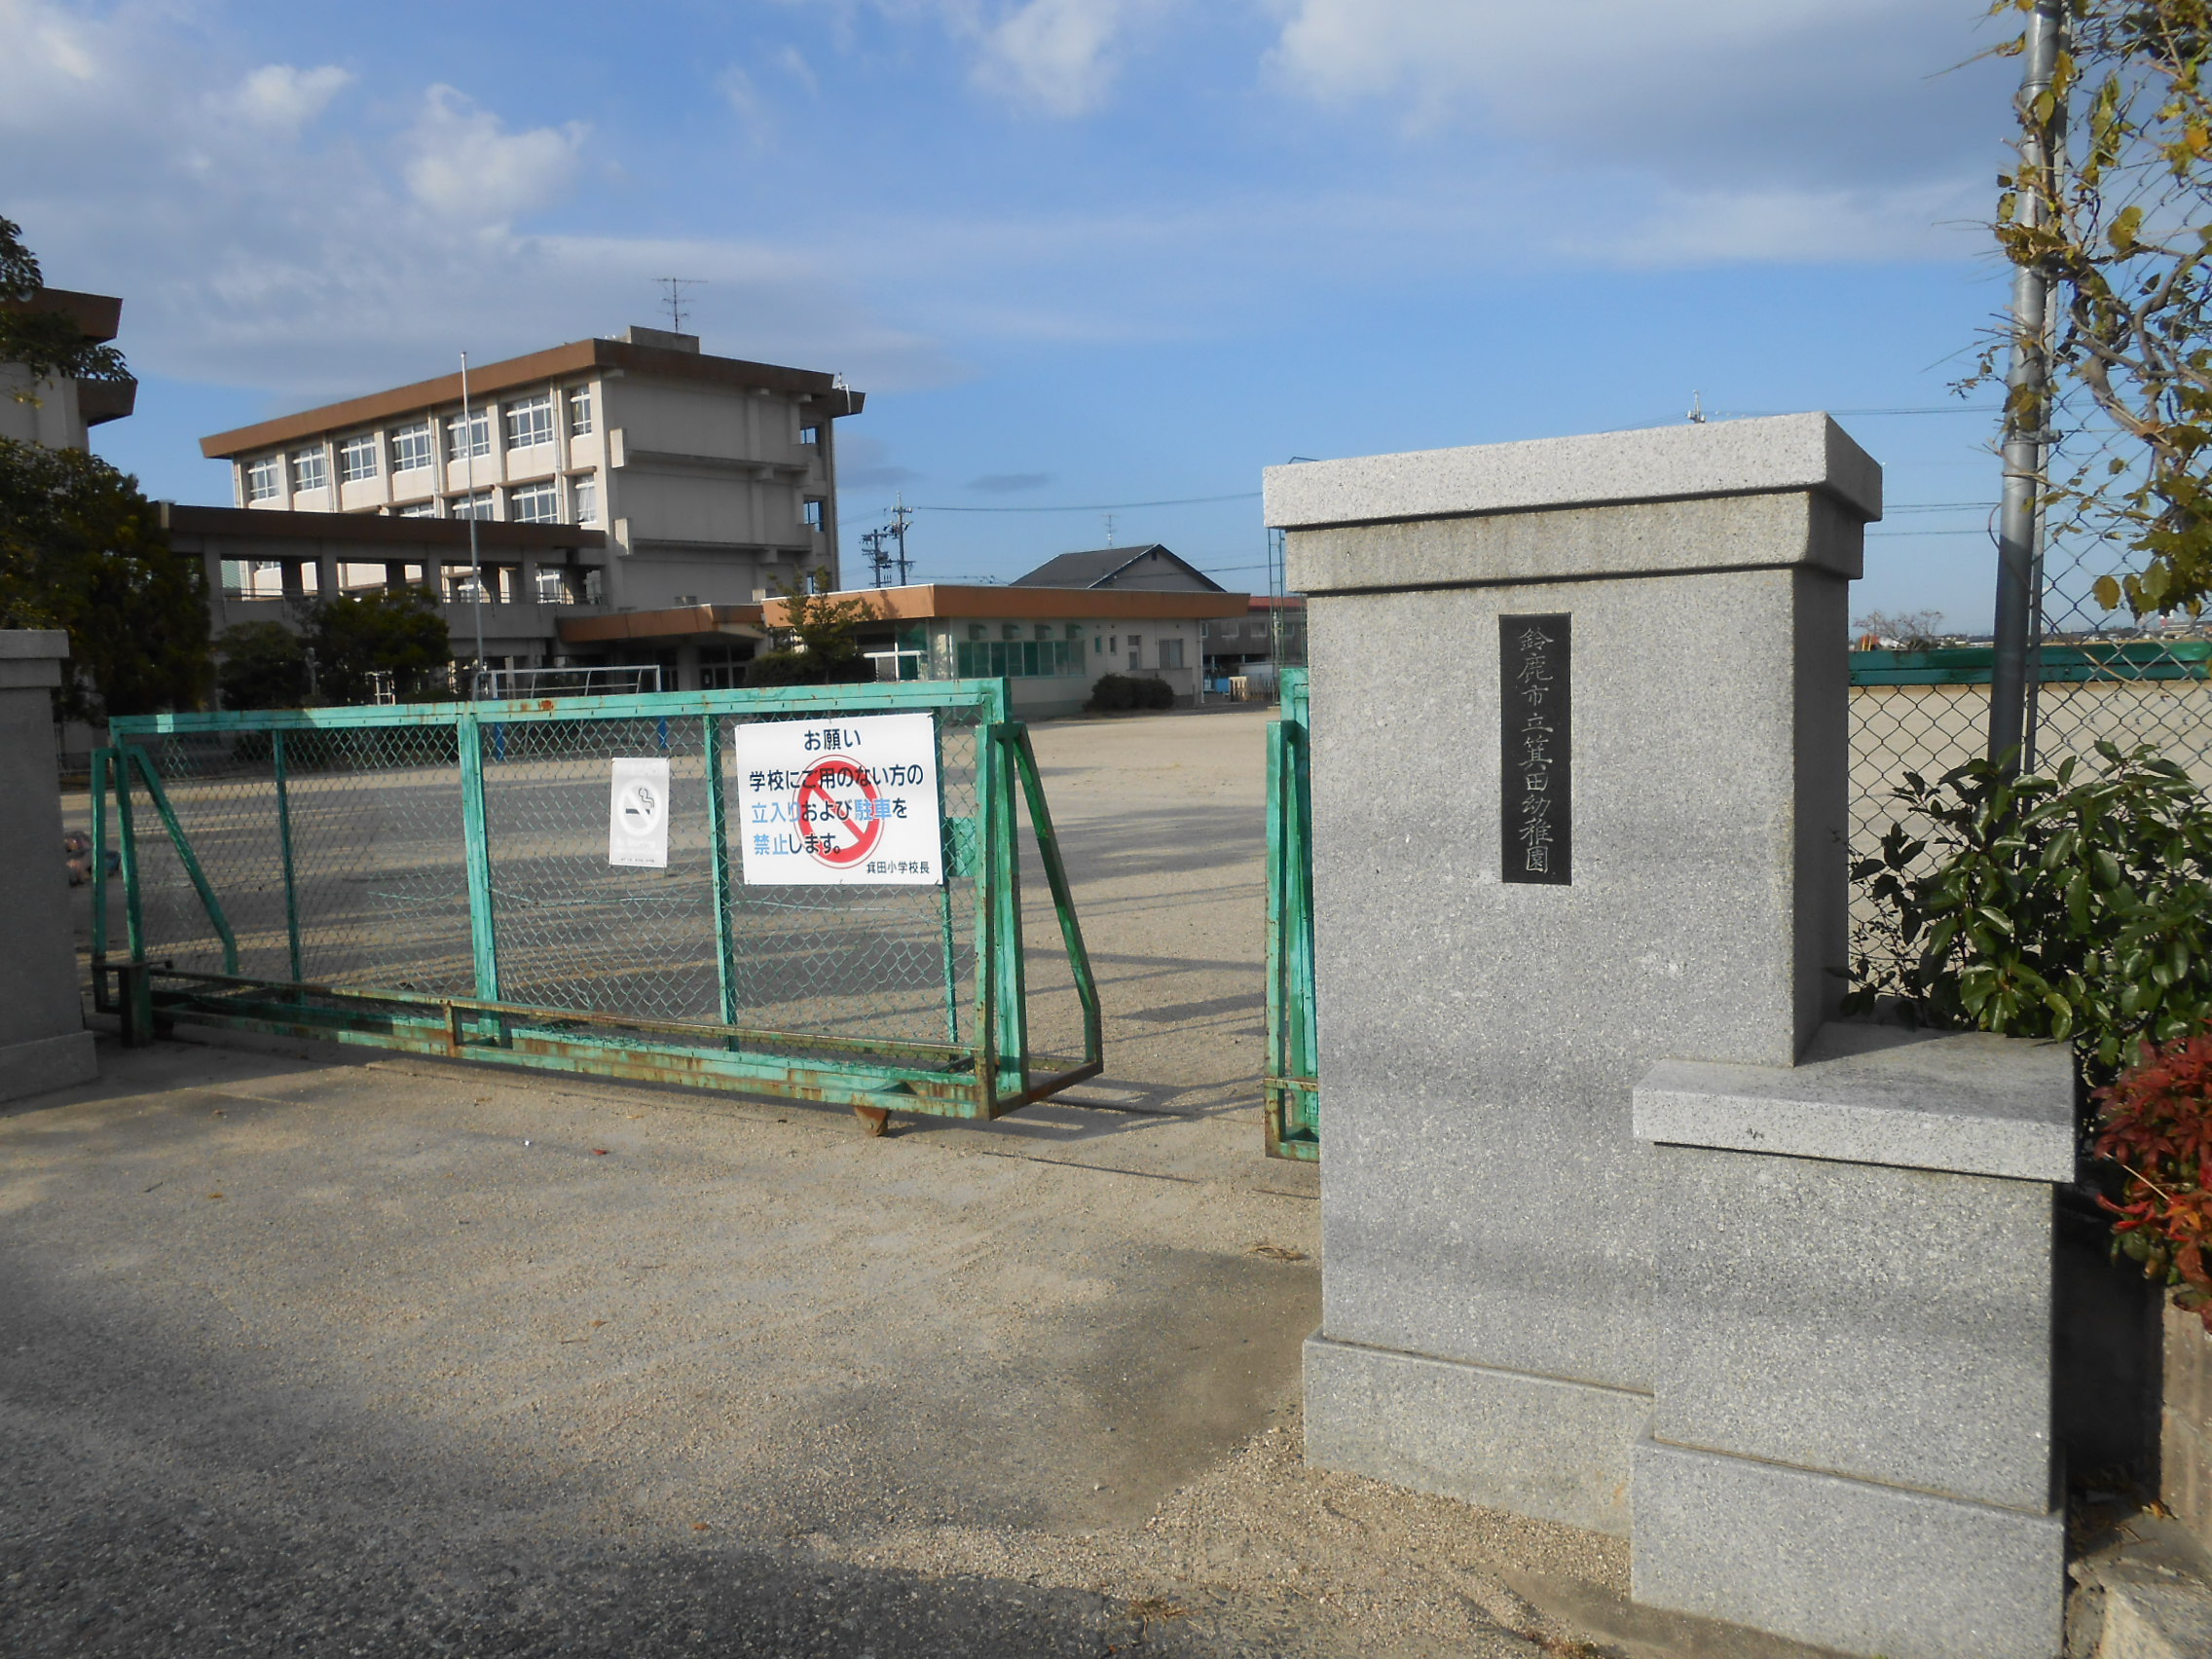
(1929, 408)
(1099, 506)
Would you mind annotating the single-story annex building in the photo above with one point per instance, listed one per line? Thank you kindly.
(1052, 643)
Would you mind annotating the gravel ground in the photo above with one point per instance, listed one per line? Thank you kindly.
(329, 1353)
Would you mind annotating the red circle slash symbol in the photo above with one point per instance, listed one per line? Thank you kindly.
(821, 814)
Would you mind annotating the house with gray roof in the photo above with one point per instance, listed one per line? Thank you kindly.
(1151, 567)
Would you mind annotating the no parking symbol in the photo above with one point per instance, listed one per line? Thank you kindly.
(839, 801)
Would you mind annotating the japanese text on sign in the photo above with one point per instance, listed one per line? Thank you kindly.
(839, 801)
(1536, 716)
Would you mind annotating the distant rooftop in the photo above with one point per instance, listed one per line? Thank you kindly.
(1151, 565)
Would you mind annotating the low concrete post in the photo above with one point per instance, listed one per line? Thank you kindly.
(1579, 762)
(1850, 1440)
(43, 1041)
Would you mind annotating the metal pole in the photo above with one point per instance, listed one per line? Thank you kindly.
(476, 564)
(2027, 416)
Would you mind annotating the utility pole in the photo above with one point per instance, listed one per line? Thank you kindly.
(2027, 399)
(901, 516)
(475, 561)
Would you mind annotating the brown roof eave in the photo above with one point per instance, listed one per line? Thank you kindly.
(389, 530)
(939, 601)
(742, 621)
(491, 379)
(98, 317)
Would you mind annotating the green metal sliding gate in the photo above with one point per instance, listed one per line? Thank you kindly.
(1292, 1095)
(437, 878)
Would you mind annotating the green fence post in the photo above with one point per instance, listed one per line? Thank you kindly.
(1299, 1103)
(950, 860)
(99, 783)
(717, 861)
(468, 742)
(1063, 897)
(135, 989)
(1292, 1100)
(284, 844)
(1002, 863)
(200, 885)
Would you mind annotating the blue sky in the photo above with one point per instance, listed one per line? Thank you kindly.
(1077, 251)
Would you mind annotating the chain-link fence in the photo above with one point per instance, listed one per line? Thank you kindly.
(1925, 712)
(388, 871)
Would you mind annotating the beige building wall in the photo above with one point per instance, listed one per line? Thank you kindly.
(710, 492)
(40, 412)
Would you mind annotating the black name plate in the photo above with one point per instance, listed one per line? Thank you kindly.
(1535, 719)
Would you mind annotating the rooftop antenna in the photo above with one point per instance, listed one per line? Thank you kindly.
(1697, 409)
(672, 296)
(1109, 529)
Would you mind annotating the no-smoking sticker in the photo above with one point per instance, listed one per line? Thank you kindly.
(839, 801)
(636, 815)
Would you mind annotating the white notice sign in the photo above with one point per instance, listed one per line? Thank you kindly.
(839, 801)
(637, 817)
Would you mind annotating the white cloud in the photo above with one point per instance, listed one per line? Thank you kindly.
(1690, 228)
(279, 96)
(792, 62)
(751, 110)
(309, 264)
(1838, 91)
(463, 162)
(1057, 56)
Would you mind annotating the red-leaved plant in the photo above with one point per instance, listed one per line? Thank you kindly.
(2155, 1124)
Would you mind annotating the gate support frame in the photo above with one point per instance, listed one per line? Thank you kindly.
(993, 1074)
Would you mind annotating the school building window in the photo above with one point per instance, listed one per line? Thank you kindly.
(530, 420)
(411, 447)
(263, 482)
(533, 504)
(579, 412)
(311, 469)
(583, 500)
(464, 438)
(1171, 653)
(357, 457)
(1019, 659)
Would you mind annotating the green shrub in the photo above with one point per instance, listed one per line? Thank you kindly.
(806, 668)
(1114, 692)
(2072, 904)
(263, 666)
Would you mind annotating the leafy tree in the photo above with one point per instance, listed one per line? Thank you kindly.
(2119, 220)
(398, 631)
(263, 666)
(83, 551)
(1913, 630)
(825, 636)
(44, 342)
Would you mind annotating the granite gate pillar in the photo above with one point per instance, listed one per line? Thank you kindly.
(43, 1041)
(1581, 763)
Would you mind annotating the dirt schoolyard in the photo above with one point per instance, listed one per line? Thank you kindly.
(314, 1350)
